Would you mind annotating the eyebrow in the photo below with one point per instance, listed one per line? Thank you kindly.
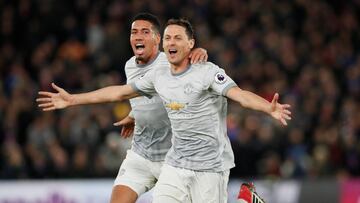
(141, 29)
(177, 35)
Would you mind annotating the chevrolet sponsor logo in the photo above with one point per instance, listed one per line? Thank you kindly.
(175, 106)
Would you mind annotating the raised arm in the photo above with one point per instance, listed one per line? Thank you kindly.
(50, 101)
(250, 100)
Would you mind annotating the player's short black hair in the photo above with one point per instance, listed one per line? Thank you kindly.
(183, 22)
(150, 18)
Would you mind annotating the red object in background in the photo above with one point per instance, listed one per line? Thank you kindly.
(350, 191)
(245, 193)
(248, 194)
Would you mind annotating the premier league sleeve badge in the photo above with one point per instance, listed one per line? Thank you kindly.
(220, 78)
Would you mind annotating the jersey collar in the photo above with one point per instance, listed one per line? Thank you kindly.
(148, 63)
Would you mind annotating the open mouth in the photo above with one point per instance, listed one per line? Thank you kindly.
(139, 46)
(172, 51)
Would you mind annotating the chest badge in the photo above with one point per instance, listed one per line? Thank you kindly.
(175, 106)
(188, 88)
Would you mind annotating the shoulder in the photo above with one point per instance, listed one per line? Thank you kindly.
(162, 60)
(162, 56)
(161, 63)
(207, 67)
(211, 72)
(130, 63)
(157, 70)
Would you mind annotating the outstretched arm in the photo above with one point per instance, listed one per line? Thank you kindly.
(250, 100)
(50, 101)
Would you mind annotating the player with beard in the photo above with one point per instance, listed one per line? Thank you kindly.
(196, 168)
(152, 132)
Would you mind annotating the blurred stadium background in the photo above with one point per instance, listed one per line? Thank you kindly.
(306, 50)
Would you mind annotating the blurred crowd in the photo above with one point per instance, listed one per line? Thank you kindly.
(307, 51)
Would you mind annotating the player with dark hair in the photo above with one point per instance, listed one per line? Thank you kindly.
(196, 167)
(152, 135)
(152, 132)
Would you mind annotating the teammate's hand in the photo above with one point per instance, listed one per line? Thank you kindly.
(280, 111)
(50, 101)
(198, 55)
(127, 124)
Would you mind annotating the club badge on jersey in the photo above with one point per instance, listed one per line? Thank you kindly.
(188, 88)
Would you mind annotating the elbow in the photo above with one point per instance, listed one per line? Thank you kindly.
(119, 98)
(244, 101)
(122, 97)
(124, 93)
(244, 104)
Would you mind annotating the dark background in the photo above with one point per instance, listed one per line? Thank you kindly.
(306, 50)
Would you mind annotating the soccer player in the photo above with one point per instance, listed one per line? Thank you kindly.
(152, 135)
(196, 168)
(197, 165)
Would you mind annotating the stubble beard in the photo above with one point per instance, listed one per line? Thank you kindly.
(140, 60)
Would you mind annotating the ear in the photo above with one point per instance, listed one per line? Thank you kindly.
(191, 43)
(158, 38)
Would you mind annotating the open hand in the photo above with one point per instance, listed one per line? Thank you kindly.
(127, 124)
(50, 101)
(280, 111)
(198, 55)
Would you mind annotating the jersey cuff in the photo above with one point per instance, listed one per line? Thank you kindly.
(136, 89)
(226, 89)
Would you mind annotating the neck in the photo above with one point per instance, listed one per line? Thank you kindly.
(181, 66)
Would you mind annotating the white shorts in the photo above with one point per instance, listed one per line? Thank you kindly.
(138, 173)
(183, 186)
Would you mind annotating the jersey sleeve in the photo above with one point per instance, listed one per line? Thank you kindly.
(145, 85)
(219, 81)
(128, 65)
(131, 114)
